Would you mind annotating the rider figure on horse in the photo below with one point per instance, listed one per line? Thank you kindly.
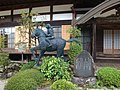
(49, 35)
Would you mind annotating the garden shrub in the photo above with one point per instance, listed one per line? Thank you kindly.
(32, 74)
(21, 83)
(63, 85)
(75, 49)
(4, 63)
(28, 65)
(55, 68)
(74, 31)
(109, 76)
(4, 59)
(2, 41)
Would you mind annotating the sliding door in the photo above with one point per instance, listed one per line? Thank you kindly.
(111, 41)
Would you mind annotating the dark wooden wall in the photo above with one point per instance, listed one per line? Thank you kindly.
(7, 21)
(99, 40)
(86, 37)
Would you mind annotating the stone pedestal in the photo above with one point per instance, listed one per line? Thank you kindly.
(84, 81)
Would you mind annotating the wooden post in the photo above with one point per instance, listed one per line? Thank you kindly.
(22, 57)
(12, 19)
(73, 16)
(51, 13)
(112, 42)
(29, 29)
(94, 41)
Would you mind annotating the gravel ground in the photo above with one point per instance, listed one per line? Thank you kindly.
(2, 84)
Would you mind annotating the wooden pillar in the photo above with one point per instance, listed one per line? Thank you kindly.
(94, 41)
(73, 16)
(29, 28)
(12, 15)
(112, 41)
(51, 13)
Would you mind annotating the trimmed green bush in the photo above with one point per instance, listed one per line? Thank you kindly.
(55, 68)
(21, 84)
(31, 74)
(63, 85)
(28, 65)
(109, 76)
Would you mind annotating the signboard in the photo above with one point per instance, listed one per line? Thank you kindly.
(40, 18)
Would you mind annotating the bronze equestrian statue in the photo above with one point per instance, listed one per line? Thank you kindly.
(57, 44)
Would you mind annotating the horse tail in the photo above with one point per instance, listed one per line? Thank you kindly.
(73, 39)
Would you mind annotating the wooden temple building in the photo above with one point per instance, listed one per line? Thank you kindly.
(99, 21)
(102, 24)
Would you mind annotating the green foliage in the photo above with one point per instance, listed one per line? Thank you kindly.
(25, 80)
(75, 49)
(2, 40)
(74, 31)
(21, 84)
(55, 68)
(26, 29)
(4, 59)
(26, 20)
(28, 65)
(63, 85)
(34, 74)
(108, 76)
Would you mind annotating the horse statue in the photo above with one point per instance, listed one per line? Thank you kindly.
(58, 45)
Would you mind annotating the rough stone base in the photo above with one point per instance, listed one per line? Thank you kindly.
(84, 81)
